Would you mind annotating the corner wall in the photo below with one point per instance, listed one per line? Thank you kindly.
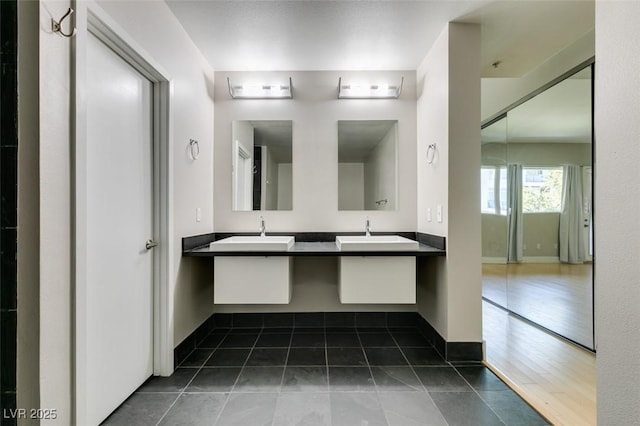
(617, 199)
(448, 110)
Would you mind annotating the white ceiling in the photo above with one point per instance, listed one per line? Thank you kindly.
(523, 34)
(560, 114)
(376, 35)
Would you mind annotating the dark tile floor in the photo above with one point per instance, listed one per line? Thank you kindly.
(323, 376)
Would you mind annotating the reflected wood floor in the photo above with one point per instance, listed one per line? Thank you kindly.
(554, 295)
(556, 377)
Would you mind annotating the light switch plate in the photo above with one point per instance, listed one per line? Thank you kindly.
(198, 214)
(439, 213)
(429, 214)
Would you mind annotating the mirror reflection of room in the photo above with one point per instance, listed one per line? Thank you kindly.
(262, 165)
(367, 164)
(536, 180)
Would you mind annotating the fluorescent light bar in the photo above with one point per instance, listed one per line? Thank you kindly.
(260, 91)
(369, 91)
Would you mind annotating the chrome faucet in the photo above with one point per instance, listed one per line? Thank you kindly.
(367, 227)
(263, 229)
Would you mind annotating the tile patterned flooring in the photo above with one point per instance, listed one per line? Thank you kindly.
(323, 376)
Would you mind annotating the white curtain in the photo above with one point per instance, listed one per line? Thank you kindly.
(571, 238)
(514, 219)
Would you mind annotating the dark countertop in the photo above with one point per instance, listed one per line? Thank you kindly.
(315, 248)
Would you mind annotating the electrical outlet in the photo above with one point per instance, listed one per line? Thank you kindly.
(439, 213)
(429, 214)
(198, 214)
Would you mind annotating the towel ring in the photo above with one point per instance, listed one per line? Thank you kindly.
(194, 148)
(431, 153)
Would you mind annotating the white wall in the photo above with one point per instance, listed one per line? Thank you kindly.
(351, 187)
(44, 294)
(242, 132)
(285, 200)
(380, 172)
(617, 201)
(432, 79)
(243, 138)
(271, 196)
(156, 29)
(449, 115)
(315, 111)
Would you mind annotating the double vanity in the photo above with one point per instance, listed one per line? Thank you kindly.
(257, 269)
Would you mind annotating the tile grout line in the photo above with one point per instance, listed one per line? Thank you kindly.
(424, 388)
(326, 365)
(375, 386)
(478, 394)
(284, 370)
(422, 358)
(194, 376)
(239, 374)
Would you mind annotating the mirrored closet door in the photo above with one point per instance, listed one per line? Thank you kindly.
(537, 215)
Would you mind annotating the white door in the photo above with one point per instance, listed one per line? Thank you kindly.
(119, 222)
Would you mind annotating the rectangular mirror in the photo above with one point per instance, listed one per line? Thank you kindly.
(493, 185)
(367, 164)
(262, 165)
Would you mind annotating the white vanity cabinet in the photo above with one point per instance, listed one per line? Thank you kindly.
(252, 280)
(377, 279)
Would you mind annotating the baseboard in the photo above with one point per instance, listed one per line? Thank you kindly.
(495, 260)
(540, 259)
(182, 351)
(525, 259)
(450, 351)
(316, 319)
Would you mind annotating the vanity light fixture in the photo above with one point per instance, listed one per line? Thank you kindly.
(369, 91)
(261, 91)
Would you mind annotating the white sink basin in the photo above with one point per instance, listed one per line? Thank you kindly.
(254, 243)
(375, 243)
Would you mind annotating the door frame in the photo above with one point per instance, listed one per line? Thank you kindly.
(91, 18)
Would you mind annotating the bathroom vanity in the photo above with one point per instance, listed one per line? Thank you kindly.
(376, 269)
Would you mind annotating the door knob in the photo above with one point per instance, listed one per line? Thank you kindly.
(150, 244)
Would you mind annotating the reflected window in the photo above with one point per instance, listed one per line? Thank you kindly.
(541, 189)
(494, 190)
